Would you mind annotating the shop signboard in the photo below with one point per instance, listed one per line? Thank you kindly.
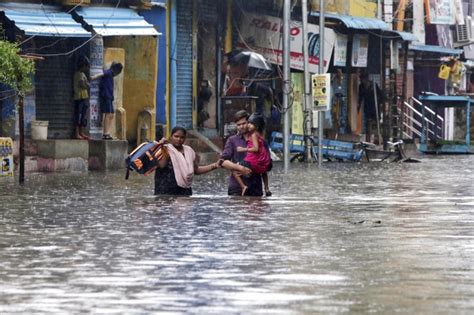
(440, 11)
(321, 91)
(340, 50)
(297, 121)
(263, 34)
(6, 157)
(360, 50)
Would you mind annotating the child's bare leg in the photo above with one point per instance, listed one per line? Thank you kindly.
(240, 181)
(231, 166)
(266, 184)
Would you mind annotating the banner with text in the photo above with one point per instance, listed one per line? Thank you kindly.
(264, 34)
(360, 50)
(340, 50)
(321, 91)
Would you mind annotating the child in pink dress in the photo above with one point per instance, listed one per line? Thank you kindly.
(258, 157)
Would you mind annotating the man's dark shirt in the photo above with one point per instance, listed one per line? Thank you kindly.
(106, 85)
(254, 182)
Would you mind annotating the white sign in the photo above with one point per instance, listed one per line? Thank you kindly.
(340, 50)
(360, 50)
(321, 91)
(263, 34)
(440, 11)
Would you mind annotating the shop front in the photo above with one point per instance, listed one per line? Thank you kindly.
(54, 37)
(133, 43)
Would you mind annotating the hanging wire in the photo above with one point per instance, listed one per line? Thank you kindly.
(74, 49)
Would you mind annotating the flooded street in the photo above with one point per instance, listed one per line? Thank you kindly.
(350, 238)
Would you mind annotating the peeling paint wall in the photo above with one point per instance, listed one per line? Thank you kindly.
(140, 75)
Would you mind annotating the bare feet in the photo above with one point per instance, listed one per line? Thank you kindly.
(244, 190)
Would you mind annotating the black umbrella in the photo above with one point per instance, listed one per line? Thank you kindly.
(252, 59)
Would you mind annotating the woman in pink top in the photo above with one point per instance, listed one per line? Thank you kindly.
(257, 158)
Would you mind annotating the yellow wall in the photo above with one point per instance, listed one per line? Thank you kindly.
(140, 77)
(364, 8)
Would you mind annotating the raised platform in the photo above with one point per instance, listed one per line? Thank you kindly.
(67, 155)
(107, 154)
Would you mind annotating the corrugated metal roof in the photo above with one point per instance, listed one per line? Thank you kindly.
(42, 20)
(355, 22)
(436, 49)
(409, 37)
(111, 21)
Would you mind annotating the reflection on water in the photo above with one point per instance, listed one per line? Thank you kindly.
(348, 238)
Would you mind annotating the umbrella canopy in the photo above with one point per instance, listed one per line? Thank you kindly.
(252, 59)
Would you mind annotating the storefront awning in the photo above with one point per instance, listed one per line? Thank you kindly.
(435, 49)
(109, 21)
(358, 23)
(42, 20)
(409, 37)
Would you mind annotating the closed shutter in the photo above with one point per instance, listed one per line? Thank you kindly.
(208, 11)
(54, 86)
(184, 49)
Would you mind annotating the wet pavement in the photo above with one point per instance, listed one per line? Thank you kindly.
(350, 238)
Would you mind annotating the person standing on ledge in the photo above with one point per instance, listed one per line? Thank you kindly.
(106, 96)
(81, 98)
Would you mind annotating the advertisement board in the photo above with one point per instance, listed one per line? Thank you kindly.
(263, 34)
(297, 119)
(340, 50)
(440, 11)
(6, 157)
(360, 50)
(321, 91)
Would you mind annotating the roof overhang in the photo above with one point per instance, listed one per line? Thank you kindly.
(111, 21)
(435, 49)
(406, 36)
(42, 20)
(355, 22)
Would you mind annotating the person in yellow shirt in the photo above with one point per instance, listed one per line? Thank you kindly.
(81, 98)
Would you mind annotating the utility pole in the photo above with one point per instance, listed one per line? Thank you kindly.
(286, 83)
(21, 125)
(321, 71)
(307, 80)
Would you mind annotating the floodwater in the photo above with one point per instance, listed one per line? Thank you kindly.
(350, 238)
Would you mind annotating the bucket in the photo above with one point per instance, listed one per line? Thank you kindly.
(39, 130)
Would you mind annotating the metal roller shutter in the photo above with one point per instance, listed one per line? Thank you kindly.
(184, 48)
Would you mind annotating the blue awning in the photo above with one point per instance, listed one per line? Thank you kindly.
(42, 20)
(409, 37)
(111, 21)
(435, 49)
(355, 22)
